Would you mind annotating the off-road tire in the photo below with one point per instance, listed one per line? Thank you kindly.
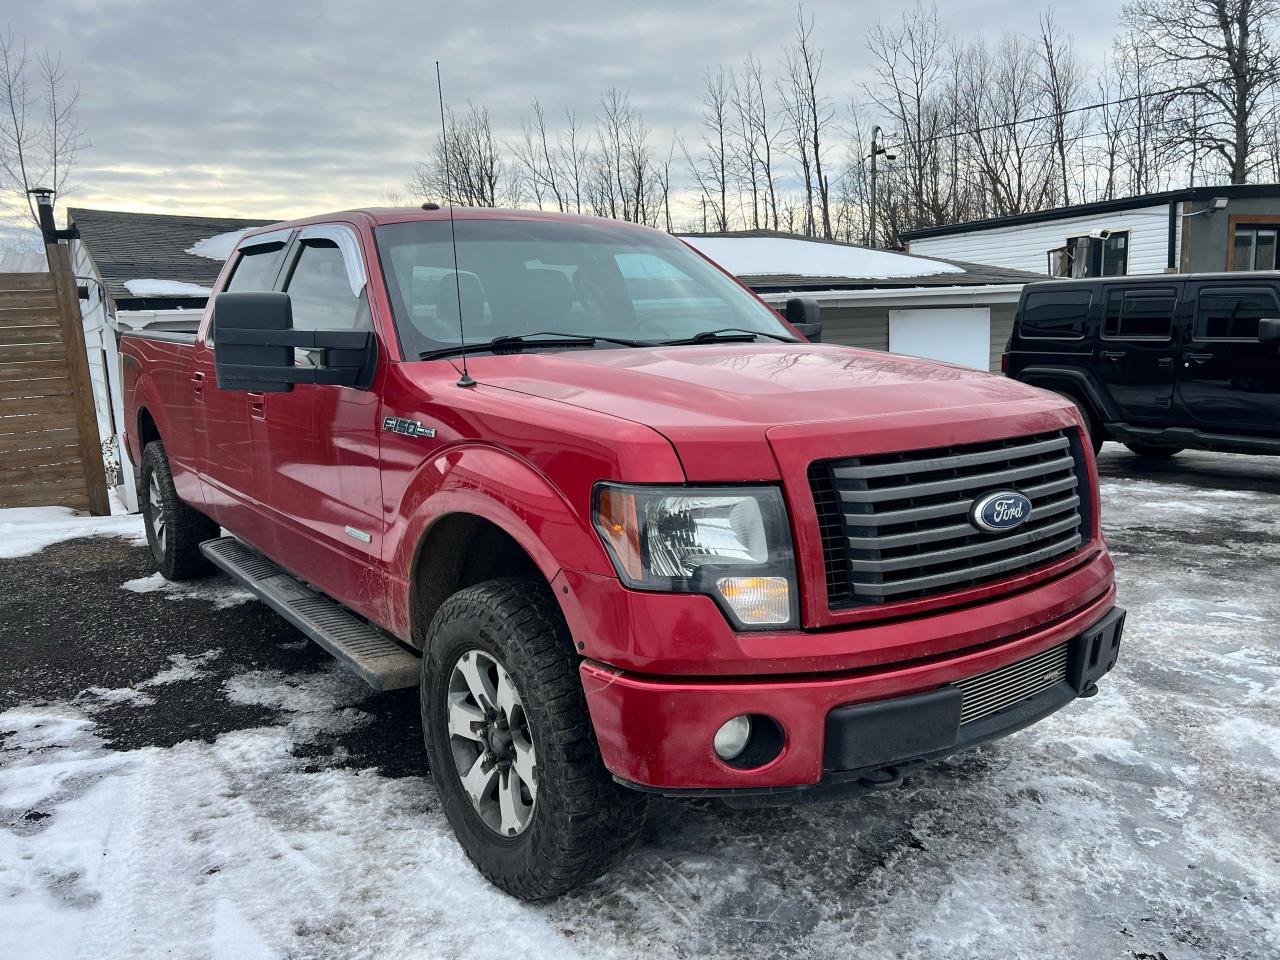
(583, 822)
(1152, 452)
(177, 554)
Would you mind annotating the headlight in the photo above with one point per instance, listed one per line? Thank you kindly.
(732, 543)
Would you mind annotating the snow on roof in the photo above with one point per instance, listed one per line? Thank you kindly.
(775, 256)
(166, 288)
(217, 247)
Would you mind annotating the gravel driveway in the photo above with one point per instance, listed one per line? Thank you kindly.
(181, 774)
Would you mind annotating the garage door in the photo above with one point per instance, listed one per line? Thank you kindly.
(957, 335)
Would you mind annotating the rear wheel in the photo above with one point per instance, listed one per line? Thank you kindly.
(1093, 429)
(511, 747)
(1153, 452)
(174, 530)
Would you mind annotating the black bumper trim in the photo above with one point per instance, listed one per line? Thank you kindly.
(895, 736)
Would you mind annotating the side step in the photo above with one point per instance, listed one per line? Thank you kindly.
(377, 659)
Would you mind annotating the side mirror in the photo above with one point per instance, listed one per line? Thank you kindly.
(254, 343)
(1269, 330)
(804, 314)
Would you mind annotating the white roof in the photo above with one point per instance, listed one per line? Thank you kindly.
(787, 256)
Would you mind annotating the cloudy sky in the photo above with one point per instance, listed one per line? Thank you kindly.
(269, 109)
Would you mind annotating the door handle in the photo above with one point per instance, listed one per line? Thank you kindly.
(257, 405)
(1165, 363)
(1199, 357)
(1111, 354)
(197, 385)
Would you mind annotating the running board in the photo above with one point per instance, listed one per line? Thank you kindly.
(374, 657)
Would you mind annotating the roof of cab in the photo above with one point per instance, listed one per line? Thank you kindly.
(379, 216)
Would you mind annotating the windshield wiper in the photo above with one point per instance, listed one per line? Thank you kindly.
(547, 338)
(727, 335)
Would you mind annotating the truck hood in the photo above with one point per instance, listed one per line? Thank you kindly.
(710, 401)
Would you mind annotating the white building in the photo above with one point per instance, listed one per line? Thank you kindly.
(1194, 230)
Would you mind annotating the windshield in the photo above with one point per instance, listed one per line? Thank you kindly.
(520, 277)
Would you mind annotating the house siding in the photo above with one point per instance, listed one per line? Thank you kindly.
(1026, 246)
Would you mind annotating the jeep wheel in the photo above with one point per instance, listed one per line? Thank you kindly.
(1092, 429)
(511, 747)
(174, 530)
(1153, 452)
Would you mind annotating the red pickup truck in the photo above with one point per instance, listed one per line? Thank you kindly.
(636, 535)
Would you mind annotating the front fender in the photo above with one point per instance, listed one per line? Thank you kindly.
(507, 491)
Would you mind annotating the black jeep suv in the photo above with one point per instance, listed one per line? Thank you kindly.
(1161, 363)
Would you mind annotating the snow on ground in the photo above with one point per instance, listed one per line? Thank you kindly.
(757, 256)
(217, 247)
(291, 819)
(166, 288)
(222, 592)
(28, 530)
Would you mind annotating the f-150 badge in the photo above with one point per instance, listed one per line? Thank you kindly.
(408, 428)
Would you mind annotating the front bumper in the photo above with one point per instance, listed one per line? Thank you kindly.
(855, 730)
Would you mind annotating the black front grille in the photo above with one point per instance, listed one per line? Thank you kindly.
(896, 526)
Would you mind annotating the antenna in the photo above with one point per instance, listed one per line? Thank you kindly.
(464, 380)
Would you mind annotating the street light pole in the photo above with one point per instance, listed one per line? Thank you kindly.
(875, 151)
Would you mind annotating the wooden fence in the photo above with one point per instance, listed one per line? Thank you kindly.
(49, 454)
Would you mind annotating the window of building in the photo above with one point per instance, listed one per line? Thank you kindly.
(1254, 247)
(1092, 256)
(1224, 314)
(1140, 314)
(1115, 254)
(1060, 315)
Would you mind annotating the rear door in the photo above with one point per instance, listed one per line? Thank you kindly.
(1137, 350)
(1229, 381)
(316, 446)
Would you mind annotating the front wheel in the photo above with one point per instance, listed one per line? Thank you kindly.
(1153, 452)
(511, 746)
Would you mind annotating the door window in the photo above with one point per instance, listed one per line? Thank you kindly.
(320, 290)
(1140, 314)
(255, 271)
(1225, 314)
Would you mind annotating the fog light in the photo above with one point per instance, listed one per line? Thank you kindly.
(757, 599)
(731, 739)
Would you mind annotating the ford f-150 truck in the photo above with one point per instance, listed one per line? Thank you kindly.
(629, 530)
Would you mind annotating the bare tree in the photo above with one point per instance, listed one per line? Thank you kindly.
(755, 134)
(468, 167)
(1224, 51)
(819, 114)
(710, 169)
(538, 164)
(40, 134)
(1062, 78)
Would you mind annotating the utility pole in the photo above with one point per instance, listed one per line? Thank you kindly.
(876, 151)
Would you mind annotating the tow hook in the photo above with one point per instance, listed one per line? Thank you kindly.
(886, 778)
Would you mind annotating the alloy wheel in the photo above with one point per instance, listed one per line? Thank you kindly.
(156, 504)
(492, 747)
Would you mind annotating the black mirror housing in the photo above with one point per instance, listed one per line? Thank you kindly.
(254, 343)
(805, 315)
(1269, 329)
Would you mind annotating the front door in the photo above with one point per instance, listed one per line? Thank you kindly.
(1229, 380)
(316, 446)
(1137, 350)
(223, 418)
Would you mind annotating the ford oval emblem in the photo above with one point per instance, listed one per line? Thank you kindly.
(1000, 511)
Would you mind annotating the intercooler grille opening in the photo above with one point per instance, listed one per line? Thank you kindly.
(1007, 686)
(897, 526)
